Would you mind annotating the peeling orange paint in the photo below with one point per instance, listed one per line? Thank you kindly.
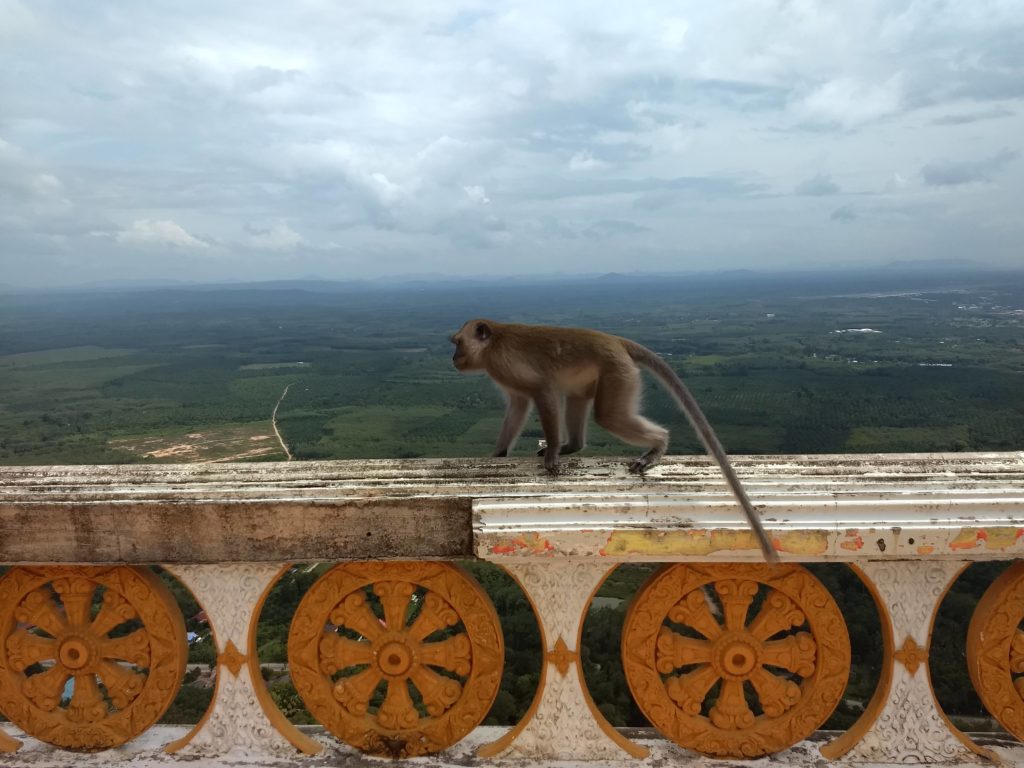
(531, 544)
(994, 538)
(1000, 538)
(853, 545)
(925, 549)
(968, 538)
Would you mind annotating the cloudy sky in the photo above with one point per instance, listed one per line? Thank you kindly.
(264, 140)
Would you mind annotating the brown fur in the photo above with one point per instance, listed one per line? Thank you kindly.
(541, 365)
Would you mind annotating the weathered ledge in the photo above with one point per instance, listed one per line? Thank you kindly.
(965, 505)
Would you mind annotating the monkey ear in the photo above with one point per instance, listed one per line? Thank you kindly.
(483, 331)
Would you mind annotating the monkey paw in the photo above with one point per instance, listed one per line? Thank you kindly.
(639, 466)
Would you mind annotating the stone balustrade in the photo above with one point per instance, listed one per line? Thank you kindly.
(398, 652)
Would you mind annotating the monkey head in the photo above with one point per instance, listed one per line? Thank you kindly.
(471, 342)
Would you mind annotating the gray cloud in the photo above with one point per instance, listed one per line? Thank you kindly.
(844, 214)
(819, 185)
(950, 173)
(693, 186)
(145, 232)
(613, 227)
(197, 140)
(972, 117)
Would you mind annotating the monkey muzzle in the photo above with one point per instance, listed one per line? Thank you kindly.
(465, 363)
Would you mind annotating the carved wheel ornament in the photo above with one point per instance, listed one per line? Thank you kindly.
(90, 657)
(995, 649)
(396, 659)
(733, 659)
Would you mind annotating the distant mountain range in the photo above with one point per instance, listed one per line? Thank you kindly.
(933, 268)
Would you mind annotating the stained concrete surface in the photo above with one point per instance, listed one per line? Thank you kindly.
(144, 752)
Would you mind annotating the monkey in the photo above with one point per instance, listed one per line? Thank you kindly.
(538, 365)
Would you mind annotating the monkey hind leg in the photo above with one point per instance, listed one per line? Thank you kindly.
(641, 464)
(616, 408)
(645, 432)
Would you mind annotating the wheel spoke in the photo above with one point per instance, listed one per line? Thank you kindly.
(87, 704)
(688, 691)
(76, 595)
(1017, 653)
(776, 694)
(397, 712)
(436, 614)
(25, 649)
(778, 614)
(133, 648)
(674, 650)
(354, 612)
(693, 611)
(736, 597)
(394, 598)
(122, 684)
(337, 652)
(354, 692)
(731, 712)
(38, 608)
(438, 692)
(454, 654)
(46, 688)
(114, 612)
(795, 653)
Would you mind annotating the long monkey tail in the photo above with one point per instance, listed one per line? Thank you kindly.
(688, 404)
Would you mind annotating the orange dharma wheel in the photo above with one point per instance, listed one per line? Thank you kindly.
(90, 657)
(735, 659)
(995, 649)
(396, 659)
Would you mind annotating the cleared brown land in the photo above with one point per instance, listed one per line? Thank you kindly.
(232, 442)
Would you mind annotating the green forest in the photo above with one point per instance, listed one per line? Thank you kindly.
(836, 363)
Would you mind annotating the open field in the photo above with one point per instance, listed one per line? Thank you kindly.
(780, 365)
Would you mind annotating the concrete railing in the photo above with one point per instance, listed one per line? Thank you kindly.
(398, 652)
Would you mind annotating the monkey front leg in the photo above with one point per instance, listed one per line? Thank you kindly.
(549, 409)
(516, 410)
(576, 409)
